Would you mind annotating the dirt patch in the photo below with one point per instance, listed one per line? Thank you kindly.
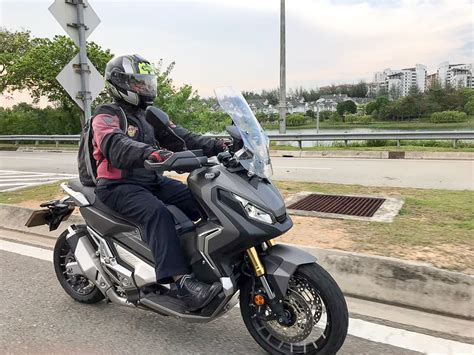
(324, 233)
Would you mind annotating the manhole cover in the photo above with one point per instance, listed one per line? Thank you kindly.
(338, 204)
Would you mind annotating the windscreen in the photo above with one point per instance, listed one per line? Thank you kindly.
(254, 156)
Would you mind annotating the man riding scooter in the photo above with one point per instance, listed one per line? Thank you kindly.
(138, 194)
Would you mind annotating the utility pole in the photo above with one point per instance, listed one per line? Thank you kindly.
(282, 69)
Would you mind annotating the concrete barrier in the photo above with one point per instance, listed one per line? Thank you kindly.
(389, 280)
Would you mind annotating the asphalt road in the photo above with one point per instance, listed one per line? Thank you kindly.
(37, 316)
(438, 174)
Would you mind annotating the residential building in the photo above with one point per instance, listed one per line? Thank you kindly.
(431, 80)
(456, 75)
(401, 80)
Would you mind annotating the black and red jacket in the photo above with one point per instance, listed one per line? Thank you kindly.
(121, 144)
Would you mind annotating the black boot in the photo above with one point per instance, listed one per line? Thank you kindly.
(196, 294)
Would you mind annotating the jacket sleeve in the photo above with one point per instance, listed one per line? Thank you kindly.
(120, 151)
(196, 141)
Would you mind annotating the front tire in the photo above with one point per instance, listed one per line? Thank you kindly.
(80, 288)
(318, 306)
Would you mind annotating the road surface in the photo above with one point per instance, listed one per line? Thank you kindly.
(438, 174)
(36, 316)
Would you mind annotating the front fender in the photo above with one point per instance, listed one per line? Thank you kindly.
(281, 261)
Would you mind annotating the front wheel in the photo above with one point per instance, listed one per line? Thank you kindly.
(319, 317)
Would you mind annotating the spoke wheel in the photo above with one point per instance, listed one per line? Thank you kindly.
(317, 312)
(77, 286)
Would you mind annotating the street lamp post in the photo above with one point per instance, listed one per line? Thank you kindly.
(282, 69)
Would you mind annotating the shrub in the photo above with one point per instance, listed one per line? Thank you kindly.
(448, 116)
(358, 119)
(469, 107)
(295, 119)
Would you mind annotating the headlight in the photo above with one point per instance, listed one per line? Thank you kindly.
(253, 211)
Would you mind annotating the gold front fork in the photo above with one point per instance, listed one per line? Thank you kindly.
(271, 242)
(257, 265)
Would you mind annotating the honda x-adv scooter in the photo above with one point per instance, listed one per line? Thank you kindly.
(288, 302)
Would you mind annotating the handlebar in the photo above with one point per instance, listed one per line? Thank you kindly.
(185, 161)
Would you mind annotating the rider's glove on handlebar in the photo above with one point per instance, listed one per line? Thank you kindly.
(159, 156)
(222, 144)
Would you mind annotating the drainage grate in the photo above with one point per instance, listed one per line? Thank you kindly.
(337, 204)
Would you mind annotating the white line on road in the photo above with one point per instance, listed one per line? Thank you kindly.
(6, 172)
(299, 167)
(359, 328)
(408, 340)
(27, 250)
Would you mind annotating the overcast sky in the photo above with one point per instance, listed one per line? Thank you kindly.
(236, 42)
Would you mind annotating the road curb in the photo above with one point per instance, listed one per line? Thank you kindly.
(382, 279)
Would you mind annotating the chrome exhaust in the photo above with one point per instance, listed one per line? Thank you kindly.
(87, 258)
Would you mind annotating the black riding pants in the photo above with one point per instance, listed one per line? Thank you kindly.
(145, 206)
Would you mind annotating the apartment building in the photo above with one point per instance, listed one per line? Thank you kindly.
(401, 81)
(456, 75)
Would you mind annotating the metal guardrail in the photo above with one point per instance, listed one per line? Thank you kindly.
(455, 136)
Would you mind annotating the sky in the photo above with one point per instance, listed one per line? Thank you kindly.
(236, 42)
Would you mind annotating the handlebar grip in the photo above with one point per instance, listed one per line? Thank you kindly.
(185, 161)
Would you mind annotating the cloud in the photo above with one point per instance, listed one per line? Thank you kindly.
(222, 42)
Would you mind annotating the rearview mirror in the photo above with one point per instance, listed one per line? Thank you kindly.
(157, 118)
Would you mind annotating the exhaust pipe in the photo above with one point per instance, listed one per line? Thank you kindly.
(89, 264)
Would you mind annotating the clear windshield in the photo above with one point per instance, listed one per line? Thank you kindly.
(254, 156)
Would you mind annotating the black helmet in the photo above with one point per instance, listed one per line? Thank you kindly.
(131, 78)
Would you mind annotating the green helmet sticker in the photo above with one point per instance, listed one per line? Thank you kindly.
(145, 68)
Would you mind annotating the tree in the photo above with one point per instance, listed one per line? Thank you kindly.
(347, 106)
(14, 46)
(33, 64)
(394, 92)
(184, 106)
(358, 90)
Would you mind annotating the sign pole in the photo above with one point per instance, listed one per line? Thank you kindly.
(83, 67)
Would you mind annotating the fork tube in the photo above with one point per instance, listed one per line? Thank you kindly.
(257, 265)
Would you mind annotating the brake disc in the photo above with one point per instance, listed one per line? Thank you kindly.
(301, 324)
(302, 287)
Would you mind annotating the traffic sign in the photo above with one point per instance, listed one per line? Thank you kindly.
(70, 79)
(65, 13)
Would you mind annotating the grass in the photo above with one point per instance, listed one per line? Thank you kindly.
(422, 123)
(37, 193)
(435, 226)
(425, 146)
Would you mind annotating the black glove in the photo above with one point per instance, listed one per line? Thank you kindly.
(222, 144)
(160, 156)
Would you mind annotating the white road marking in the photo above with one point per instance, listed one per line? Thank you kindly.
(359, 328)
(5, 172)
(299, 167)
(27, 250)
(408, 340)
(11, 180)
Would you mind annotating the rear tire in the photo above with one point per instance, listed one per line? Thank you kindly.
(336, 315)
(76, 286)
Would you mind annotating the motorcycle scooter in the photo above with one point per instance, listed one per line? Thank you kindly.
(289, 304)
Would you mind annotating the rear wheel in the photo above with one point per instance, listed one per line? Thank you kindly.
(317, 310)
(77, 286)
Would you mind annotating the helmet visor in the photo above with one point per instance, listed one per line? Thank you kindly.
(141, 84)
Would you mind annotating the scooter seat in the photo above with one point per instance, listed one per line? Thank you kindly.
(182, 223)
